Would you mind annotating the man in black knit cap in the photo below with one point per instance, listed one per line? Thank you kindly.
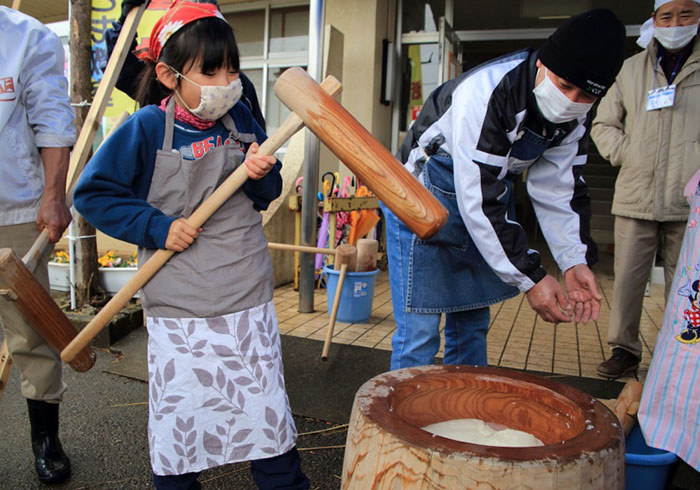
(525, 111)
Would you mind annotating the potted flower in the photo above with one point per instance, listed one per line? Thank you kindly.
(114, 271)
(59, 274)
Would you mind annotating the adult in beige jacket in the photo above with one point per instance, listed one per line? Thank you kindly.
(657, 151)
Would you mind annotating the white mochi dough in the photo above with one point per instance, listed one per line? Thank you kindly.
(477, 431)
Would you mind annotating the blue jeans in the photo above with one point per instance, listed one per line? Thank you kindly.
(417, 336)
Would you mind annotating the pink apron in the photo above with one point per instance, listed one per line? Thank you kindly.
(669, 412)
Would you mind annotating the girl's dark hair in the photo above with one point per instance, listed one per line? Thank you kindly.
(209, 40)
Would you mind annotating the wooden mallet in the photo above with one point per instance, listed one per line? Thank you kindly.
(366, 157)
(345, 260)
(367, 252)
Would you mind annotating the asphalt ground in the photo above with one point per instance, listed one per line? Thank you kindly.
(104, 417)
(103, 431)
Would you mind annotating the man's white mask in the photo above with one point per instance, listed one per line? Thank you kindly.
(675, 37)
(554, 105)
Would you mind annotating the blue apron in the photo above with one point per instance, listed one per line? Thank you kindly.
(447, 273)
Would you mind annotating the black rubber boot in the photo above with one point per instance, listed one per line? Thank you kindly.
(51, 463)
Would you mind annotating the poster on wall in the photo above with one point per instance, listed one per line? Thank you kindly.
(415, 103)
(104, 13)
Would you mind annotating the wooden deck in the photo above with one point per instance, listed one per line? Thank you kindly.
(517, 337)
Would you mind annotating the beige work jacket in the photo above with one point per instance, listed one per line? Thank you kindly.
(657, 151)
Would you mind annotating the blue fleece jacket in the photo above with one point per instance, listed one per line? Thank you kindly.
(112, 190)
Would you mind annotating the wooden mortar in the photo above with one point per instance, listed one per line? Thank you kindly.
(386, 447)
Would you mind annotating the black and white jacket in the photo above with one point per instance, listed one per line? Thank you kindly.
(476, 119)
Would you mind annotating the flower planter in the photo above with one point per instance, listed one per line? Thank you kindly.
(59, 276)
(111, 278)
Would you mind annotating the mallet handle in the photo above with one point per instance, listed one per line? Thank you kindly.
(290, 126)
(301, 248)
(334, 312)
(400, 191)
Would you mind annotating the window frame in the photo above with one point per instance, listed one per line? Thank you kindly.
(268, 60)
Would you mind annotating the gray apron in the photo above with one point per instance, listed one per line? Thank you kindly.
(216, 384)
(230, 256)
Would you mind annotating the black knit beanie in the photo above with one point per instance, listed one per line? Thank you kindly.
(587, 50)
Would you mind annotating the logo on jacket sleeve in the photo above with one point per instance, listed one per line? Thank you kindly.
(7, 89)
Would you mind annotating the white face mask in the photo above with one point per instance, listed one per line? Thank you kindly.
(215, 101)
(554, 105)
(675, 37)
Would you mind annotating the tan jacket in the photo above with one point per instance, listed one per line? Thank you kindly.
(657, 151)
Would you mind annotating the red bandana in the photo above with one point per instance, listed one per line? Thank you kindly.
(183, 115)
(177, 16)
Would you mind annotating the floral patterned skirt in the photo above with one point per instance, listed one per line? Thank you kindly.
(216, 391)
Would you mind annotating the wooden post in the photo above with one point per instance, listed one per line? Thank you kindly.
(80, 91)
(295, 205)
(332, 225)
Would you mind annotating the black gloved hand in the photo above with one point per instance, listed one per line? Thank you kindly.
(127, 5)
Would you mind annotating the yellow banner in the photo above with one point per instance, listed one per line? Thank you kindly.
(415, 103)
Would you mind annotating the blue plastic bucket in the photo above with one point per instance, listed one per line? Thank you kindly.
(645, 467)
(356, 296)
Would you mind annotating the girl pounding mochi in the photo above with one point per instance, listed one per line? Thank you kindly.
(216, 386)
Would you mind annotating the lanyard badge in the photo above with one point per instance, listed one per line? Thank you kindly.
(659, 98)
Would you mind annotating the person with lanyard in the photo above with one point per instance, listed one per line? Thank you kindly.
(128, 80)
(525, 111)
(648, 125)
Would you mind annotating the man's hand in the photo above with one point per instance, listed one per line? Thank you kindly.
(181, 235)
(583, 292)
(127, 5)
(548, 299)
(257, 166)
(53, 213)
